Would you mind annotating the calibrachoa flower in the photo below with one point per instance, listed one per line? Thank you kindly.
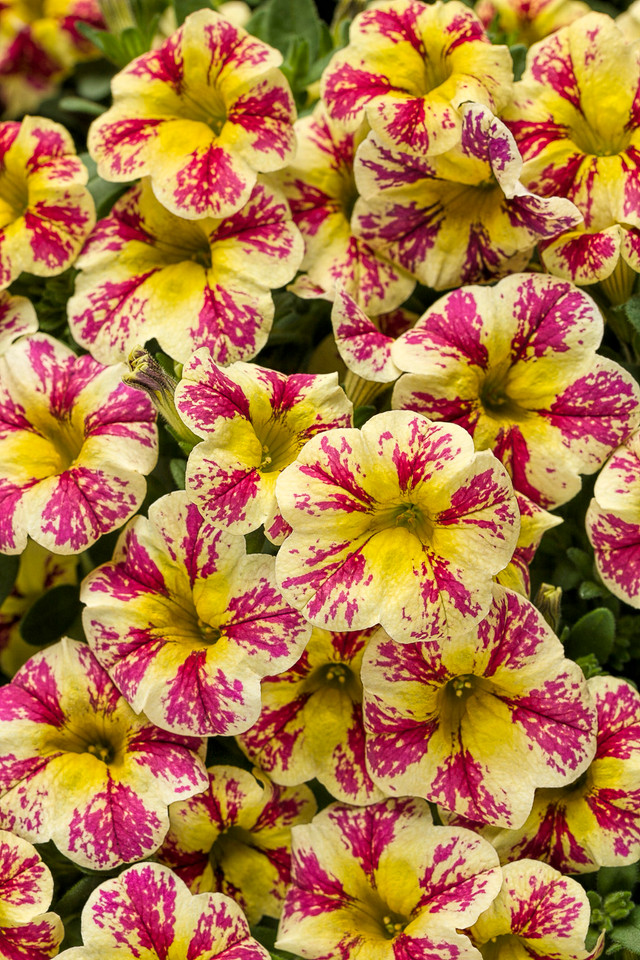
(365, 343)
(235, 838)
(408, 67)
(575, 119)
(537, 913)
(79, 767)
(46, 211)
(384, 883)
(311, 720)
(202, 116)
(148, 912)
(26, 889)
(146, 273)
(477, 724)
(38, 572)
(399, 524)
(595, 821)
(75, 444)
(526, 21)
(461, 217)
(254, 421)
(516, 366)
(613, 522)
(186, 624)
(320, 187)
(17, 318)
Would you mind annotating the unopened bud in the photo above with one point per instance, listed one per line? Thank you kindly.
(547, 600)
(145, 373)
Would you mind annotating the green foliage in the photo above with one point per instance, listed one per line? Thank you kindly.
(51, 615)
(594, 633)
(8, 573)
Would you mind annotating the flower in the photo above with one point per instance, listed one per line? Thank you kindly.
(408, 68)
(39, 571)
(516, 366)
(311, 724)
(574, 119)
(202, 116)
(320, 187)
(145, 273)
(46, 211)
(186, 624)
(75, 444)
(254, 421)
(26, 889)
(613, 522)
(365, 343)
(79, 767)
(17, 318)
(148, 912)
(526, 21)
(384, 883)
(235, 838)
(479, 723)
(460, 217)
(399, 524)
(537, 912)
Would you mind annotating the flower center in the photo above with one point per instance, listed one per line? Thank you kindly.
(592, 142)
(393, 924)
(495, 399)
(206, 105)
(66, 442)
(103, 751)
(14, 197)
(454, 697)
(406, 514)
(208, 632)
(78, 737)
(192, 244)
(279, 445)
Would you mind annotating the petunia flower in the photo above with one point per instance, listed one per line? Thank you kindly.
(320, 187)
(400, 524)
(235, 838)
(17, 318)
(39, 571)
(186, 624)
(408, 67)
(46, 211)
(27, 932)
(384, 883)
(537, 913)
(311, 724)
(79, 767)
(254, 422)
(75, 444)
(527, 21)
(613, 522)
(575, 120)
(479, 723)
(145, 273)
(516, 366)
(460, 217)
(147, 912)
(202, 116)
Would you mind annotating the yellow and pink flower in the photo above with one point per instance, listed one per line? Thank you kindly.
(46, 211)
(17, 318)
(186, 624)
(27, 932)
(79, 767)
(527, 21)
(254, 422)
(407, 69)
(401, 524)
(75, 445)
(477, 724)
(145, 273)
(235, 838)
(202, 115)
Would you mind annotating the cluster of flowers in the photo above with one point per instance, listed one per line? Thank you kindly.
(383, 642)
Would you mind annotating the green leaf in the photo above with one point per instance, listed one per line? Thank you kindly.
(362, 414)
(8, 573)
(51, 615)
(285, 22)
(610, 879)
(588, 590)
(178, 468)
(80, 105)
(628, 936)
(184, 7)
(593, 634)
(632, 311)
(519, 55)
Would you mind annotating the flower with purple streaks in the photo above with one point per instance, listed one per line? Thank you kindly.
(79, 767)
(46, 211)
(235, 838)
(527, 21)
(145, 272)
(26, 889)
(613, 522)
(400, 524)
(75, 446)
(186, 624)
(460, 217)
(384, 883)
(311, 720)
(479, 723)
(408, 68)
(254, 422)
(147, 912)
(202, 115)
(575, 118)
(516, 366)
(17, 318)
